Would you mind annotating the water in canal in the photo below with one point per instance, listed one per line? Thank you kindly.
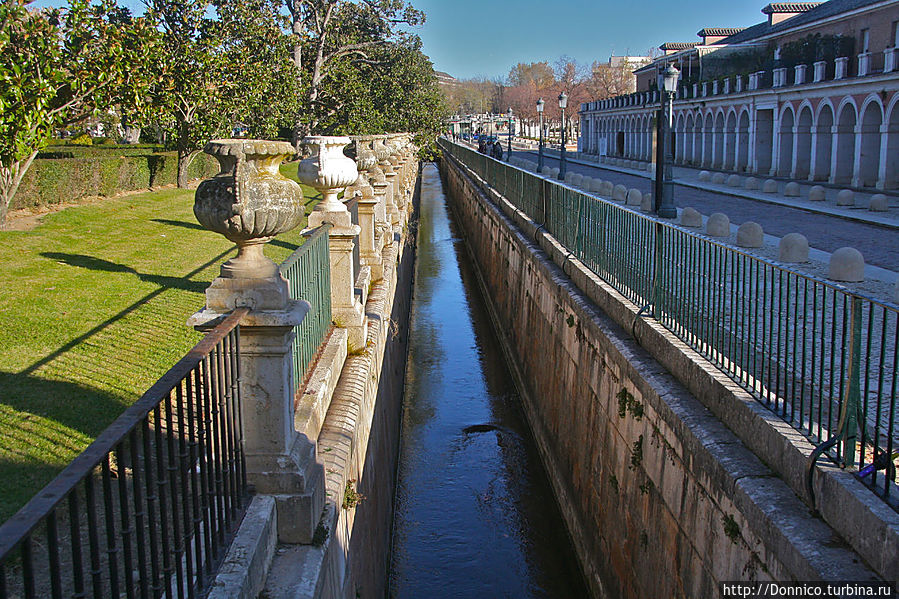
(475, 515)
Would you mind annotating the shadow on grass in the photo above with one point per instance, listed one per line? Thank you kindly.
(106, 265)
(92, 263)
(40, 419)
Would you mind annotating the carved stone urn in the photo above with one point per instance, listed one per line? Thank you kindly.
(249, 202)
(328, 170)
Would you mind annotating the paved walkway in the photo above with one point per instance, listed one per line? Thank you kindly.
(827, 227)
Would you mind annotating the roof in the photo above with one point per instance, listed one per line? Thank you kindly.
(790, 7)
(713, 31)
(819, 12)
(678, 45)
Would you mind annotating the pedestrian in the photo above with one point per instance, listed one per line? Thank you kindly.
(482, 145)
(497, 150)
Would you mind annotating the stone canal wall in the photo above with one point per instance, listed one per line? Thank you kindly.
(661, 499)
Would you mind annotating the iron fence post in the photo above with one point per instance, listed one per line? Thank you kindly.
(852, 393)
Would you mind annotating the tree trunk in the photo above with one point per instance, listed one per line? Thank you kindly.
(185, 158)
(132, 135)
(10, 178)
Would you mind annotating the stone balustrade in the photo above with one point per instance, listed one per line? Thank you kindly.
(250, 202)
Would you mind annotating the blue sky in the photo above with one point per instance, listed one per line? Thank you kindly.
(468, 38)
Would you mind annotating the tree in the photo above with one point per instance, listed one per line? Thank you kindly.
(59, 66)
(540, 74)
(330, 35)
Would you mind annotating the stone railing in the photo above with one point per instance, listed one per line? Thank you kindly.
(250, 202)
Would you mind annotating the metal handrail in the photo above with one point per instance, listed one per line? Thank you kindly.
(308, 273)
(802, 345)
(180, 442)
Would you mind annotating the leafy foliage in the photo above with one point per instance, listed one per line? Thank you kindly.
(58, 67)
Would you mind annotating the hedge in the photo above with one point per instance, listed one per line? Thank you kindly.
(58, 180)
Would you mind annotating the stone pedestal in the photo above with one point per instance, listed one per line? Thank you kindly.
(280, 462)
(369, 252)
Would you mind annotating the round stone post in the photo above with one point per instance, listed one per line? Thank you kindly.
(383, 154)
(329, 172)
(369, 251)
(249, 202)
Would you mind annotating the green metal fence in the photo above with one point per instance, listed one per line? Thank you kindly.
(826, 360)
(308, 274)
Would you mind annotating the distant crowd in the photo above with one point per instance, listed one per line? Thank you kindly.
(491, 148)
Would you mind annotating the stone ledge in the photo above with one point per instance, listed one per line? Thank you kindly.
(312, 404)
(246, 566)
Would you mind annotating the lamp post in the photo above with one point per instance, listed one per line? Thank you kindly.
(509, 151)
(563, 102)
(664, 192)
(540, 147)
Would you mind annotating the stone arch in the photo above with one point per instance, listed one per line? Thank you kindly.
(869, 158)
(803, 142)
(891, 180)
(742, 150)
(844, 157)
(678, 133)
(730, 140)
(785, 145)
(707, 127)
(718, 140)
(823, 142)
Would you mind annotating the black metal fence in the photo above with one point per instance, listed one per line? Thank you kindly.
(823, 358)
(148, 509)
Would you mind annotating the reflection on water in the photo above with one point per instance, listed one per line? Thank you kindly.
(475, 516)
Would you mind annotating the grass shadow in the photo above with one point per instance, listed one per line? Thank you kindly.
(99, 264)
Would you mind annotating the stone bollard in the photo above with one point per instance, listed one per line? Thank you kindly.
(770, 186)
(596, 185)
(846, 264)
(607, 189)
(646, 204)
(719, 178)
(879, 203)
(586, 183)
(705, 176)
(690, 217)
(816, 193)
(718, 225)
(734, 181)
(249, 202)
(751, 183)
(569, 178)
(328, 171)
(896, 292)
(634, 197)
(793, 248)
(791, 189)
(846, 197)
(619, 193)
(546, 171)
(577, 179)
(750, 235)
(554, 173)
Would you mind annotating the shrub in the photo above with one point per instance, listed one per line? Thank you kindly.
(61, 180)
(82, 140)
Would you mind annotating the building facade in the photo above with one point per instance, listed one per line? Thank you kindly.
(810, 94)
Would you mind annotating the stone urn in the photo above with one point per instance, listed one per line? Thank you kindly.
(328, 170)
(249, 201)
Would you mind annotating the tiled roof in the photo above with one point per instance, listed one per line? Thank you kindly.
(790, 7)
(820, 12)
(678, 45)
(709, 31)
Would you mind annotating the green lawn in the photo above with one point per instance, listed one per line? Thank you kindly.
(93, 304)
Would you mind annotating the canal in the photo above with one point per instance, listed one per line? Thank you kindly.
(475, 515)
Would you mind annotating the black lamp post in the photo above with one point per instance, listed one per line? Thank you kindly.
(509, 151)
(540, 147)
(664, 191)
(563, 167)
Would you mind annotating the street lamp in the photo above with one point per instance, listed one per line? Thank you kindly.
(563, 102)
(509, 152)
(540, 147)
(664, 192)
